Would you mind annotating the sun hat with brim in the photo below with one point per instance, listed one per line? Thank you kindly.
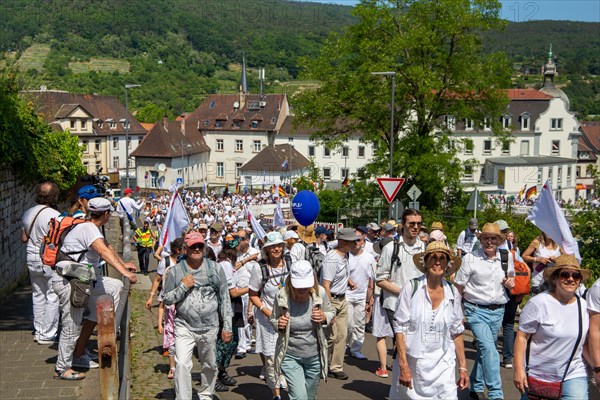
(347, 234)
(373, 226)
(437, 247)
(491, 229)
(437, 225)
(193, 238)
(307, 234)
(302, 274)
(502, 224)
(566, 261)
(273, 239)
(100, 205)
(377, 247)
(290, 235)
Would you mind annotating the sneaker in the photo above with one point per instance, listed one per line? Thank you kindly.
(93, 356)
(507, 365)
(226, 380)
(263, 372)
(239, 356)
(477, 396)
(359, 356)
(382, 373)
(276, 397)
(45, 342)
(341, 375)
(219, 387)
(84, 362)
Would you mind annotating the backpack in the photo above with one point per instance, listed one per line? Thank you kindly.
(522, 278)
(313, 255)
(50, 251)
(264, 269)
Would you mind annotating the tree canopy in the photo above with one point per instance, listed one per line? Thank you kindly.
(435, 49)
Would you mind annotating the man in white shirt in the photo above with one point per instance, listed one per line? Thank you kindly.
(467, 238)
(34, 225)
(360, 268)
(296, 248)
(335, 281)
(126, 208)
(482, 282)
(215, 240)
(321, 234)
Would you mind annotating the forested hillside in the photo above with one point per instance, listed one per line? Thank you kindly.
(181, 50)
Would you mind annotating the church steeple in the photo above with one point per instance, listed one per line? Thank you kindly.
(243, 84)
(549, 70)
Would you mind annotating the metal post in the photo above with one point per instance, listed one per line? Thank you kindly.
(107, 348)
(127, 87)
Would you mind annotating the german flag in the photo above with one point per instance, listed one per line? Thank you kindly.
(345, 182)
(532, 191)
(522, 192)
(282, 192)
(237, 187)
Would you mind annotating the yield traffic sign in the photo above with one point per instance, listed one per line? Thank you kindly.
(390, 187)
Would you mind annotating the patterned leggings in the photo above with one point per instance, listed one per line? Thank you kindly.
(225, 351)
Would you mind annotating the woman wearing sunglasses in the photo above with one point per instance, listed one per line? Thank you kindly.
(552, 331)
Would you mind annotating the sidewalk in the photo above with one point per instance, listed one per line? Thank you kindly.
(27, 368)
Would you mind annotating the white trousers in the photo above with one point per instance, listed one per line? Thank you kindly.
(185, 340)
(105, 285)
(356, 324)
(45, 303)
(245, 333)
(71, 325)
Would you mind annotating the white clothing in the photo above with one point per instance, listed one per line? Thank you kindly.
(71, 324)
(381, 323)
(129, 205)
(209, 219)
(403, 271)
(38, 231)
(368, 247)
(537, 275)
(356, 324)
(80, 240)
(216, 247)
(360, 268)
(433, 378)
(593, 297)
(482, 278)
(554, 328)
(335, 270)
(297, 252)
(466, 241)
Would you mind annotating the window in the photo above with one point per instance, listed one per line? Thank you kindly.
(450, 122)
(236, 123)
(555, 147)
(116, 162)
(578, 172)
(345, 173)
(326, 152)
(115, 142)
(311, 151)
(291, 139)
(129, 142)
(539, 178)
(206, 122)
(468, 176)
(487, 147)
(327, 173)
(84, 143)
(84, 124)
(559, 176)
(254, 124)
(218, 123)
(374, 148)
(220, 169)
(220, 145)
(345, 152)
(506, 148)
(153, 179)
(73, 124)
(569, 171)
(361, 151)
(131, 163)
(239, 145)
(238, 165)
(97, 145)
(550, 173)
(525, 122)
(140, 138)
(506, 119)
(469, 146)
(468, 124)
(487, 124)
(211, 105)
(112, 124)
(98, 166)
(556, 124)
(524, 147)
(257, 146)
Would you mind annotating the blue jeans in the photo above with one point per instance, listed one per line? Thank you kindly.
(485, 324)
(302, 376)
(508, 329)
(573, 389)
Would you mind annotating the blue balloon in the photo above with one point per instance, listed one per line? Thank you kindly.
(305, 207)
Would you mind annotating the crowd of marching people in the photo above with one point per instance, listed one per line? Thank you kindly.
(303, 298)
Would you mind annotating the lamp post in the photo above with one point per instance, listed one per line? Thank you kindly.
(393, 75)
(187, 146)
(127, 87)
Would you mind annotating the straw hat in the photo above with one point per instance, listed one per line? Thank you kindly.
(307, 234)
(437, 247)
(490, 229)
(566, 261)
(437, 225)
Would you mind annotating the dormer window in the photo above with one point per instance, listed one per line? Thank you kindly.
(124, 123)
(84, 124)
(73, 124)
(218, 123)
(211, 105)
(254, 124)
(236, 123)
(468, 124)
(505, 120)
(112, 124)
(525, 122)
(450, 122)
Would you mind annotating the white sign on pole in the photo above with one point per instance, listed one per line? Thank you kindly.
(414, 192)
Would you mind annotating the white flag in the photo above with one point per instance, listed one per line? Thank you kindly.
(256, 227)
(176, 222)
(550, 219)
(278, 220)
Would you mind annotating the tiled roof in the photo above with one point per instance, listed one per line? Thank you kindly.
(147, 126)
(591, 134)
(288, 128)
(271, 159)
(263, 110)
(166, 139)
(527, 94)
(55, 105)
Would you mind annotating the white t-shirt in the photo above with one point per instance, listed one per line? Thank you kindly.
(128, 204)
(335, 270)
(593, 297)
(297, 252)
(361, 270)
(80, 239)
(271, 287)
(38, 231)
(554, 328)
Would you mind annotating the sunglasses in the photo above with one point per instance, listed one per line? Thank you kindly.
(196, 247)
(564, 275)
(414, 224)
(436, 259)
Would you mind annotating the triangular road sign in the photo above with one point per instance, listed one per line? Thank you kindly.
(390, 187)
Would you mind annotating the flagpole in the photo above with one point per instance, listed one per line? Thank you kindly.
(476, 202)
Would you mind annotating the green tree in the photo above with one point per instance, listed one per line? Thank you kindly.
(435, 49)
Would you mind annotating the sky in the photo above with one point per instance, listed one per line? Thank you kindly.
(528, 10)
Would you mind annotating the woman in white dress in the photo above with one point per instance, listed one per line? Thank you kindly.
(428, 325)
(266, 280)
(541, 254)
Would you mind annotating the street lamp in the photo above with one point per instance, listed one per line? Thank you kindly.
(187, 146)
(393, 75)
(127, 87)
